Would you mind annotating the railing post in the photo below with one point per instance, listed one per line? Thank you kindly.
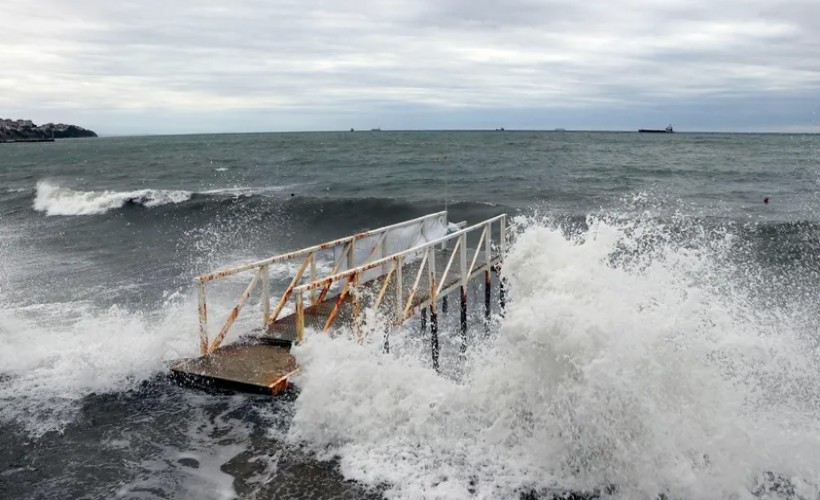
(399, 288)
(431, 266)
(203, 321)
(356, 304)
(265, 300)
(313, 278)
(300, 317)
(488, 260)
(463, 290)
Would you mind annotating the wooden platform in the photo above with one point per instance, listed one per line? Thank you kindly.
(262, 362)
(255, 367)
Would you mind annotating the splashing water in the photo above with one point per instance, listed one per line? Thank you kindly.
(632, 363)
(55, 355)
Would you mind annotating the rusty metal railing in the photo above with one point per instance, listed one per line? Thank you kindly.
(347, 246)
(438, 284)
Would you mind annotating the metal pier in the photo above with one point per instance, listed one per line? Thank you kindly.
(398, 270)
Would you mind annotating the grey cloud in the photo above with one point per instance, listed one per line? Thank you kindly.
(189, 57)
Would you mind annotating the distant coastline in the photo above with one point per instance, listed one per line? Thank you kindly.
(27, 131)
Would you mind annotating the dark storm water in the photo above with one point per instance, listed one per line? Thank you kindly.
(97, 236)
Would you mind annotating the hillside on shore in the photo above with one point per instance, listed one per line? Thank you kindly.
(27, 131)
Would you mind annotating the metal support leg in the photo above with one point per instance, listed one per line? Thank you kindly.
(434, 336)
(463, 320)
(444, 304)
(502, 299)
(487, 281)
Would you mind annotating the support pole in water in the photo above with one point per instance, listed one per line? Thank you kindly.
(465, 277)
(502, 299)
(444, 304)
(488, 261)
(431, 278)
(386, 339)
(434, 334)
(463, 319)
(423, 319)
(487, 294)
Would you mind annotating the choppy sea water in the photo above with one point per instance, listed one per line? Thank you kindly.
(660, 338)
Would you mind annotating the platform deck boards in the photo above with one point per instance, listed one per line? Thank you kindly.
(255, 367)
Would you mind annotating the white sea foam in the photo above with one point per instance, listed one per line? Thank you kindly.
(55, 200)
(618, 368)
(52, 359)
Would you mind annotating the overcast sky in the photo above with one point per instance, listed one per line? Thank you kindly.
(179, 66)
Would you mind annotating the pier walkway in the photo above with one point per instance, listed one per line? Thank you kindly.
(397, 270)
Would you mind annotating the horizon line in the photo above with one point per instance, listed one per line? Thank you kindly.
(499, 130)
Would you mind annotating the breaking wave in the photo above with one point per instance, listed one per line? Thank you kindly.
(54, 355)
(56, 200)
(628, 365)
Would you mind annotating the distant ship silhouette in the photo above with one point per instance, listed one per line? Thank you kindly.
(667, 130)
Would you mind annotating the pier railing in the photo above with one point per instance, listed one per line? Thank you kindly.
(350, 253)
(384, 260)
(422, 259)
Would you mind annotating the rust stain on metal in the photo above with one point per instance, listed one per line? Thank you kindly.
(326, 283)
(281, 384)
(235, 312)
(218, 340)
(300, 318)
(289, 290)
(338, 305)
(357, 324)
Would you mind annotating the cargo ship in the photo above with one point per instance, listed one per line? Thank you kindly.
(667, 130)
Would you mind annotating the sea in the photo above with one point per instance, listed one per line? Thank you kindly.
(660, 338)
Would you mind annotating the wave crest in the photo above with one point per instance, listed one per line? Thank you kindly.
(55, 200)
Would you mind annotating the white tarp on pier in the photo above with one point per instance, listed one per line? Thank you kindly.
(396, 240)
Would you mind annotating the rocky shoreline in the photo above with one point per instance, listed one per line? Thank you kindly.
(27, 131)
